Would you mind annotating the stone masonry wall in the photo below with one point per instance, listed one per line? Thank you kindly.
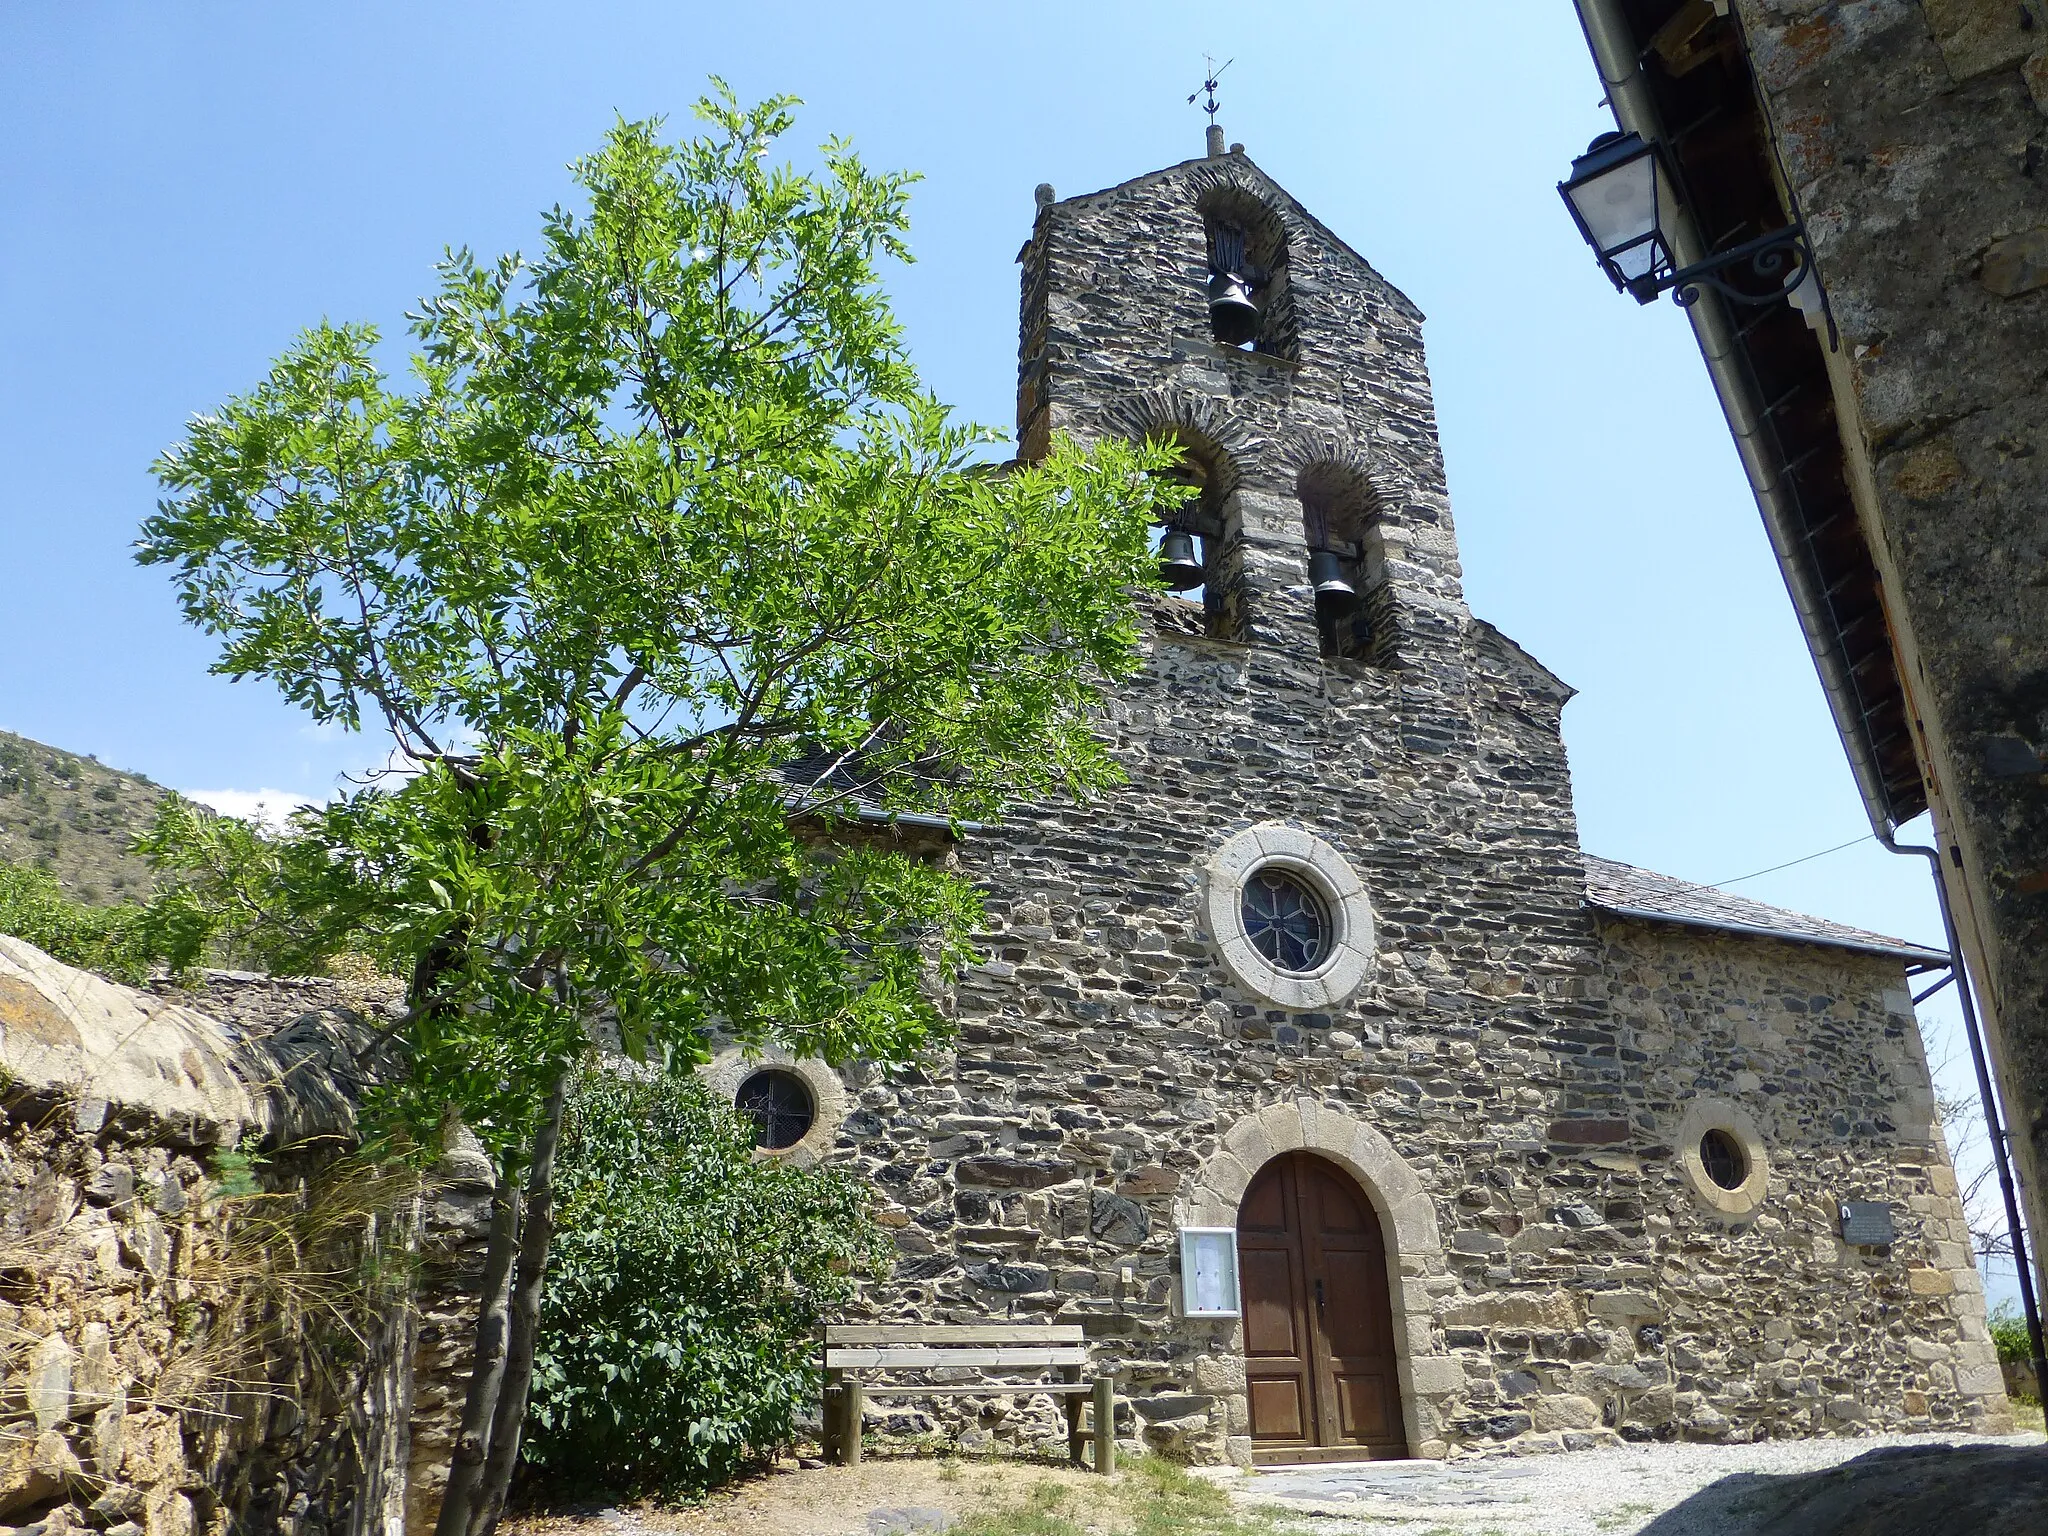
(1530, 1073)
(123, 1407)
(1915, 133)
(1773, 1324)
(1487, 1082)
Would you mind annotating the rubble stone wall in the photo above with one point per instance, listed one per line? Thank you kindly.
(123, 1407)
(1527, 1072)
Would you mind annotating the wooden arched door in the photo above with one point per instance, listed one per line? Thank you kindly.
(1318, 1325)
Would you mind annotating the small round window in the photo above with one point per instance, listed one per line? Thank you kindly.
(1722, 1157)
(780, 1105)
(1286, 921)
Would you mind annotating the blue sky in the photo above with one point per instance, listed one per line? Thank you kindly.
(188, 185)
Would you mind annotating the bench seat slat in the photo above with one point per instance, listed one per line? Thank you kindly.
(929, 1359)
(903, 1334)
(982, 1389)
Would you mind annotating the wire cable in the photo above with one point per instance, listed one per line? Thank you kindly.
(1808, 859)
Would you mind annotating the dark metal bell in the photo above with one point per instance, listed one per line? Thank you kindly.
(1232, 314)
(1326, 575)
(1179, 565)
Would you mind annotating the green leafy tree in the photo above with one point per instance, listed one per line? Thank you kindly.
(663, 510)
(678, 1337)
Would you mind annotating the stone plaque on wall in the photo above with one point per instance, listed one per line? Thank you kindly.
(1866, 1223)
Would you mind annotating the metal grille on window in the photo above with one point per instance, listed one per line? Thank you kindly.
(1286, 921)
(780, 1105)
(1722, 1158)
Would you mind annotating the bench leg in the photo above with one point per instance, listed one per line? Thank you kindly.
(1105, 1424)
(851, 1431)
(829, 1420)
(1072, 1404)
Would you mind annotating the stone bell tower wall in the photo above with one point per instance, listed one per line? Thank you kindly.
(1116, 342)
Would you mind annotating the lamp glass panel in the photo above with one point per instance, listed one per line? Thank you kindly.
(1619, 207)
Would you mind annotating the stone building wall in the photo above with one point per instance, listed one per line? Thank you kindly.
(1486, 1078)
(123, 1407)
(1771, 1322)
(1914, 135)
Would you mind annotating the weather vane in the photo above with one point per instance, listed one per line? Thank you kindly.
(1209, 85)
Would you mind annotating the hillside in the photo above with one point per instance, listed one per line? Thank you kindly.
(74, 817)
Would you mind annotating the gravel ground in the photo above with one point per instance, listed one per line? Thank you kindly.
(1916, 1485)
(1651, 1489)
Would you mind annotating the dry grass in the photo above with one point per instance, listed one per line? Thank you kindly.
(983, 1497)
(299, 1275)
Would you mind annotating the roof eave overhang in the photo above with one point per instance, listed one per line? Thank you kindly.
(1771, 374)
(1911, 954)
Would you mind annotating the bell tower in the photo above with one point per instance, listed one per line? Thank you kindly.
(1202, 304)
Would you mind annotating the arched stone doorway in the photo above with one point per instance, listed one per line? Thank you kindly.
(1429, 1382)
(1320, 1364)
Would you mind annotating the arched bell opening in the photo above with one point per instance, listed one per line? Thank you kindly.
(1197, 544)
(1322, 1360)
(1338, 511)
(1245, 282)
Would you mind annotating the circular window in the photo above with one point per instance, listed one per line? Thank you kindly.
(1286, 921)
(1290, 916)
(1721, 1157)
(780, 1105)
(1719, 1150)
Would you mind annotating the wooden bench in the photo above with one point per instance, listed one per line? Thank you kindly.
(1005, 1348)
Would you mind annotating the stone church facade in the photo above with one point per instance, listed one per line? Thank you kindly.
(1511, 1147)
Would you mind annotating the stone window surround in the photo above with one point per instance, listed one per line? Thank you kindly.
(733, 1065)
(1274, 845)
(1714, 1114)
(1429, 1381)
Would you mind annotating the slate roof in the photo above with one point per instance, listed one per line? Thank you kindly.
(1622, 890)
(851, 788)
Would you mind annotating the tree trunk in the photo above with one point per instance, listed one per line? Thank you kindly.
(487, 1367)
(536, 1233)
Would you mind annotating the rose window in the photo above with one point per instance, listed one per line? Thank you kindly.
(1286, 921)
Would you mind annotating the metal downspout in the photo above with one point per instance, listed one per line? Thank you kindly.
(1994, 1124)
(1608, 36)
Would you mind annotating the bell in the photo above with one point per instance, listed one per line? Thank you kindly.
(1326, 575)
(1179, 565)
(1232, 314)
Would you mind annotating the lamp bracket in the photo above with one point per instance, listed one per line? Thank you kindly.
(1781, 259)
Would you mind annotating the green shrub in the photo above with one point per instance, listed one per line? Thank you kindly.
(2009, 1333)
(685, 1291)
(124, 942)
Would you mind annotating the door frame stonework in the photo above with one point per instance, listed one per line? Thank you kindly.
(1429, 1379)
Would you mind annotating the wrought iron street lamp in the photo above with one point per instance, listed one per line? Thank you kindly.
(1625, 201)
(1614, 192)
